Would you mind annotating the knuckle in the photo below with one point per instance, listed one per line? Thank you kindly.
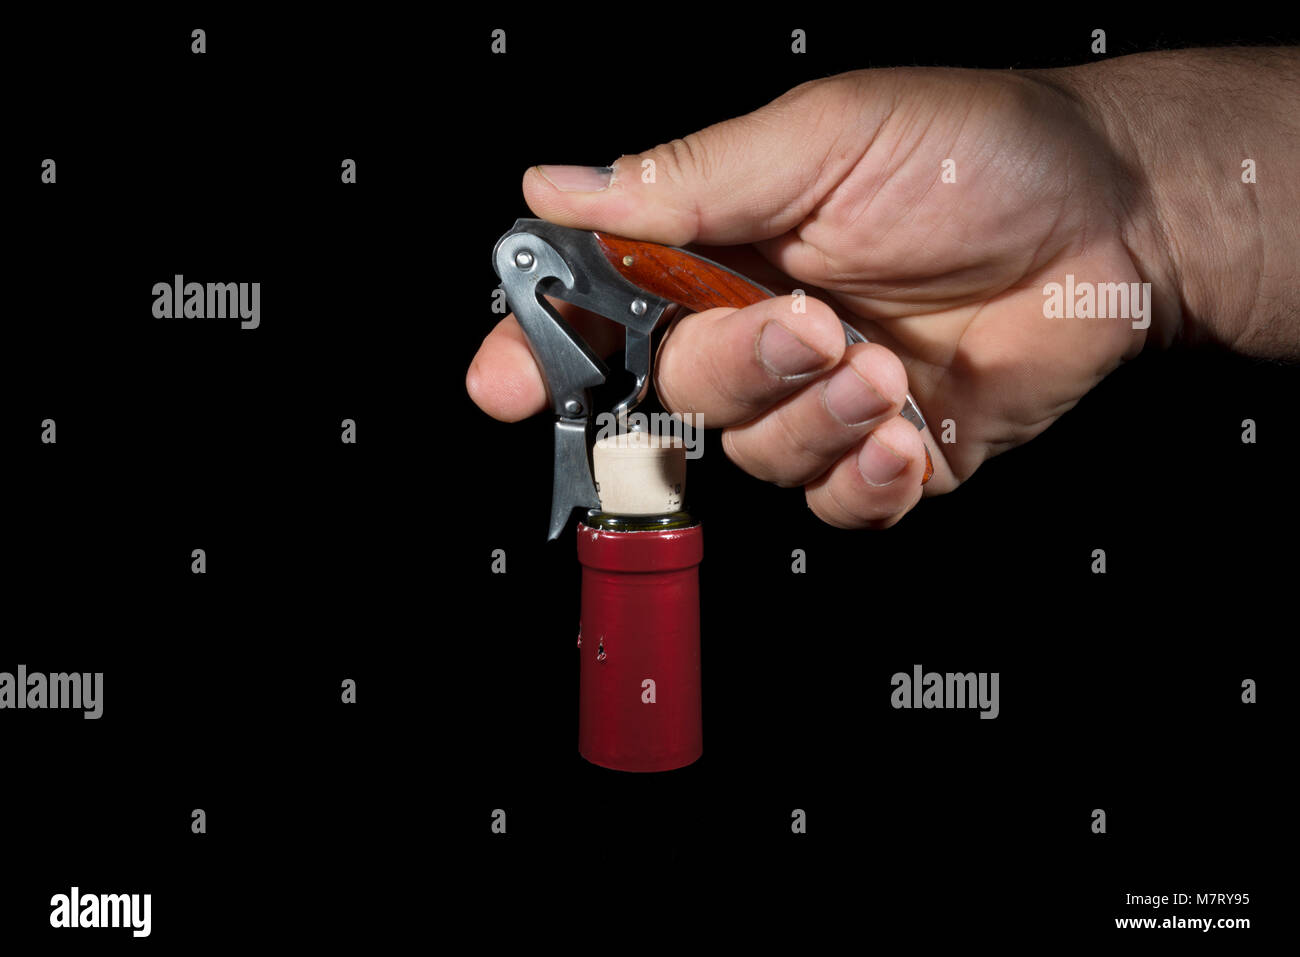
(754, 459)
(751, 459)
(687, 158)
(734, 452)
(826, 511)
(723, 383)
(800, 449)
(667, 398)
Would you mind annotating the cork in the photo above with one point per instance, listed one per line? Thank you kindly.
(640, 474)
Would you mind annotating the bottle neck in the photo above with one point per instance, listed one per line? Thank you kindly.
(608, 522)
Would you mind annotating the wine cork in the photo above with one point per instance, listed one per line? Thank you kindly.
(640, 474)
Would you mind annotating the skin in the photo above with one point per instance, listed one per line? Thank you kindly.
(1118, 172)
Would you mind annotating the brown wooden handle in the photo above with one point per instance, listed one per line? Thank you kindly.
(678, 276)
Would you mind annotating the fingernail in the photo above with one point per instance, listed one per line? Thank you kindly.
(785, 354)
(878, 463)
(577, 179)
(852, 399)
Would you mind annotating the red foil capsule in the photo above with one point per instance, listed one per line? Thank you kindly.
(639, 682)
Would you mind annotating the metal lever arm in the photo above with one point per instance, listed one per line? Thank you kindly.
(524, 263)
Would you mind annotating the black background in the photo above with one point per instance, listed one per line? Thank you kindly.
(359, 824)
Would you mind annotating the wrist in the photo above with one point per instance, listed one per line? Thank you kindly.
(1180, 125)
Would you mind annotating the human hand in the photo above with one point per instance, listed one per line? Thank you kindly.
(837, 188)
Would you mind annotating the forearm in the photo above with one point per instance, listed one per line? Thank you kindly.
(1222, 254)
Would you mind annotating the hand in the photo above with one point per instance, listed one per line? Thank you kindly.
(837, 188)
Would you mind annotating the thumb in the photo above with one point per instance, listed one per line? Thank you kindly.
(739, 181)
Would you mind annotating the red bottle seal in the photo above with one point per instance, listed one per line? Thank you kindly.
(639, 681)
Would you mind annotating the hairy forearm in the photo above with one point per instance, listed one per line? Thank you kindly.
(1222, 254)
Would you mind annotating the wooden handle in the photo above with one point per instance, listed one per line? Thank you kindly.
(678, 276)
